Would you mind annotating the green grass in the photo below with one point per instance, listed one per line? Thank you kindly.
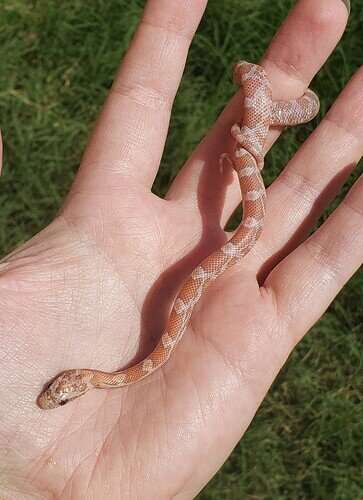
(58, 59)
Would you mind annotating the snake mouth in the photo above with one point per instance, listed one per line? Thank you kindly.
(66, 387)
(49, 400)
(46, 400)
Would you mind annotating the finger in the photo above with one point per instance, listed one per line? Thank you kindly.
(305, 282)
(299, 49)
(130, 133)
(314, 176)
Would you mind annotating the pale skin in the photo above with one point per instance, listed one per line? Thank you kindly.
(94, 288)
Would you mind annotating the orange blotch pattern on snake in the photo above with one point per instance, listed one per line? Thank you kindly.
(260, 112)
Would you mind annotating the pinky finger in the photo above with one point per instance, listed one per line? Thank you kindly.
(307, 280)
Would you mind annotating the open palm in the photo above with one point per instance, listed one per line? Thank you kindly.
(94, 288)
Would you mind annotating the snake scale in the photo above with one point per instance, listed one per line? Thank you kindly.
(260, 112)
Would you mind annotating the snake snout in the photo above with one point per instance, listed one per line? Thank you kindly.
(66, 387)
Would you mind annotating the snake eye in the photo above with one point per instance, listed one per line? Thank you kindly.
(63, 402)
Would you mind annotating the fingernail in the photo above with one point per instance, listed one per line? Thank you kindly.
(347, 4)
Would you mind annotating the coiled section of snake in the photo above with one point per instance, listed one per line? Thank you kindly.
(259, 112)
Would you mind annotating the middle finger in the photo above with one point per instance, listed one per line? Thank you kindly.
(299, 49)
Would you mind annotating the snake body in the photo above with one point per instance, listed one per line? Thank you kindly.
(260, 112)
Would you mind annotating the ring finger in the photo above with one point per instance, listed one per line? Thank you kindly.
(312, 178)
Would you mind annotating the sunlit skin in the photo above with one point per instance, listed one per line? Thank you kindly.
(260, 112)
(94, 288)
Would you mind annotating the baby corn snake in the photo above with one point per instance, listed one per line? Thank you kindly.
(260, 112)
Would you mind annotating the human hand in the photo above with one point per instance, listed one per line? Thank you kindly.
(79, 293)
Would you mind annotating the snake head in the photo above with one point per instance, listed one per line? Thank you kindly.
(67, 386)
